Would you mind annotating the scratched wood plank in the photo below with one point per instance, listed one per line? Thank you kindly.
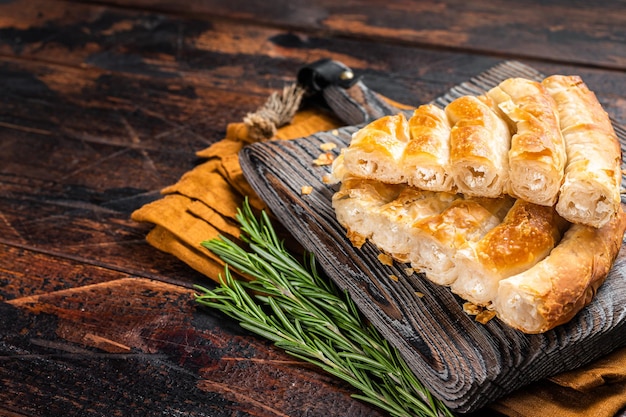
(133, 346)
(101, 111)
(574, 32)
(463, 362)
(189, 56)
(26, 273)
(221, 55)
(145, 44)
(205, 50)
(82, 149)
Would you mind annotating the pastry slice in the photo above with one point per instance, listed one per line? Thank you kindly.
(376, 149)
(438, 237)
(479, 146)
(557, 288)
(526, 235)
(537, 156)
(384, 213)
(422, 228)
(590, 193)
(426, 158)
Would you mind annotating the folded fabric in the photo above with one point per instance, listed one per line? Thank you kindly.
(203, 204)
(180, 232)
(598, 390)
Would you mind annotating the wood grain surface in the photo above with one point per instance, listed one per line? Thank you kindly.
(104, 103)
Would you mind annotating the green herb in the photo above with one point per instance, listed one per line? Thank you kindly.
(289, 303)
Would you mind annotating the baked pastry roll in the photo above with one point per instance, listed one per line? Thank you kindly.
(590, 193)
(376, 149)
(537, 156)
(384, 213)
(479, 145)
(395, 150)
(426, 157)
(438, 237)
(505, 254)
(557, 288)
(419, 227)
(526, 235)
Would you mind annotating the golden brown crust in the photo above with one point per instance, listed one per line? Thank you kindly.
(526, 235)
(427, 120)
(385, 213)
(557, 288)
(441, 235)
(394, 150)
(479, 145)
(375, 150)
(426, 158)
(465, 220)
(537, 156)
(590, 193)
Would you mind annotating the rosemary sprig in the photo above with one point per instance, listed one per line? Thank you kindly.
(289, 303)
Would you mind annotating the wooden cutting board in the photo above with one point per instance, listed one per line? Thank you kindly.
(464, 363)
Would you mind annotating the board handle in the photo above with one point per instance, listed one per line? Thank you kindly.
(345, 93)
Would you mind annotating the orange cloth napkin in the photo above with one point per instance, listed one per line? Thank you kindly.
(203, 204)
(596, 390)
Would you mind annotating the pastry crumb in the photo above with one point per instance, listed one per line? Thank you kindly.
(409, 271)
(484, 316)
(385, 259)
(325, 158)
(306, 190)
(328, 146)
(356, 239)
(393, 277)
(419, 294)
(471, 308)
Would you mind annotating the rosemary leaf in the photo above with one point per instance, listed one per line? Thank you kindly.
(289, 303)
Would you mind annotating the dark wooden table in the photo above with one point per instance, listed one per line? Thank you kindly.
(104, 103)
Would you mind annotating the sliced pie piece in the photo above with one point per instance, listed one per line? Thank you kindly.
(479, 146)
(419, 227)
(376, 149)
(526, 235)
(537, 156)
(438, 237)
(590, 193)
(384, 213)
(426, 158)
(557, 288)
